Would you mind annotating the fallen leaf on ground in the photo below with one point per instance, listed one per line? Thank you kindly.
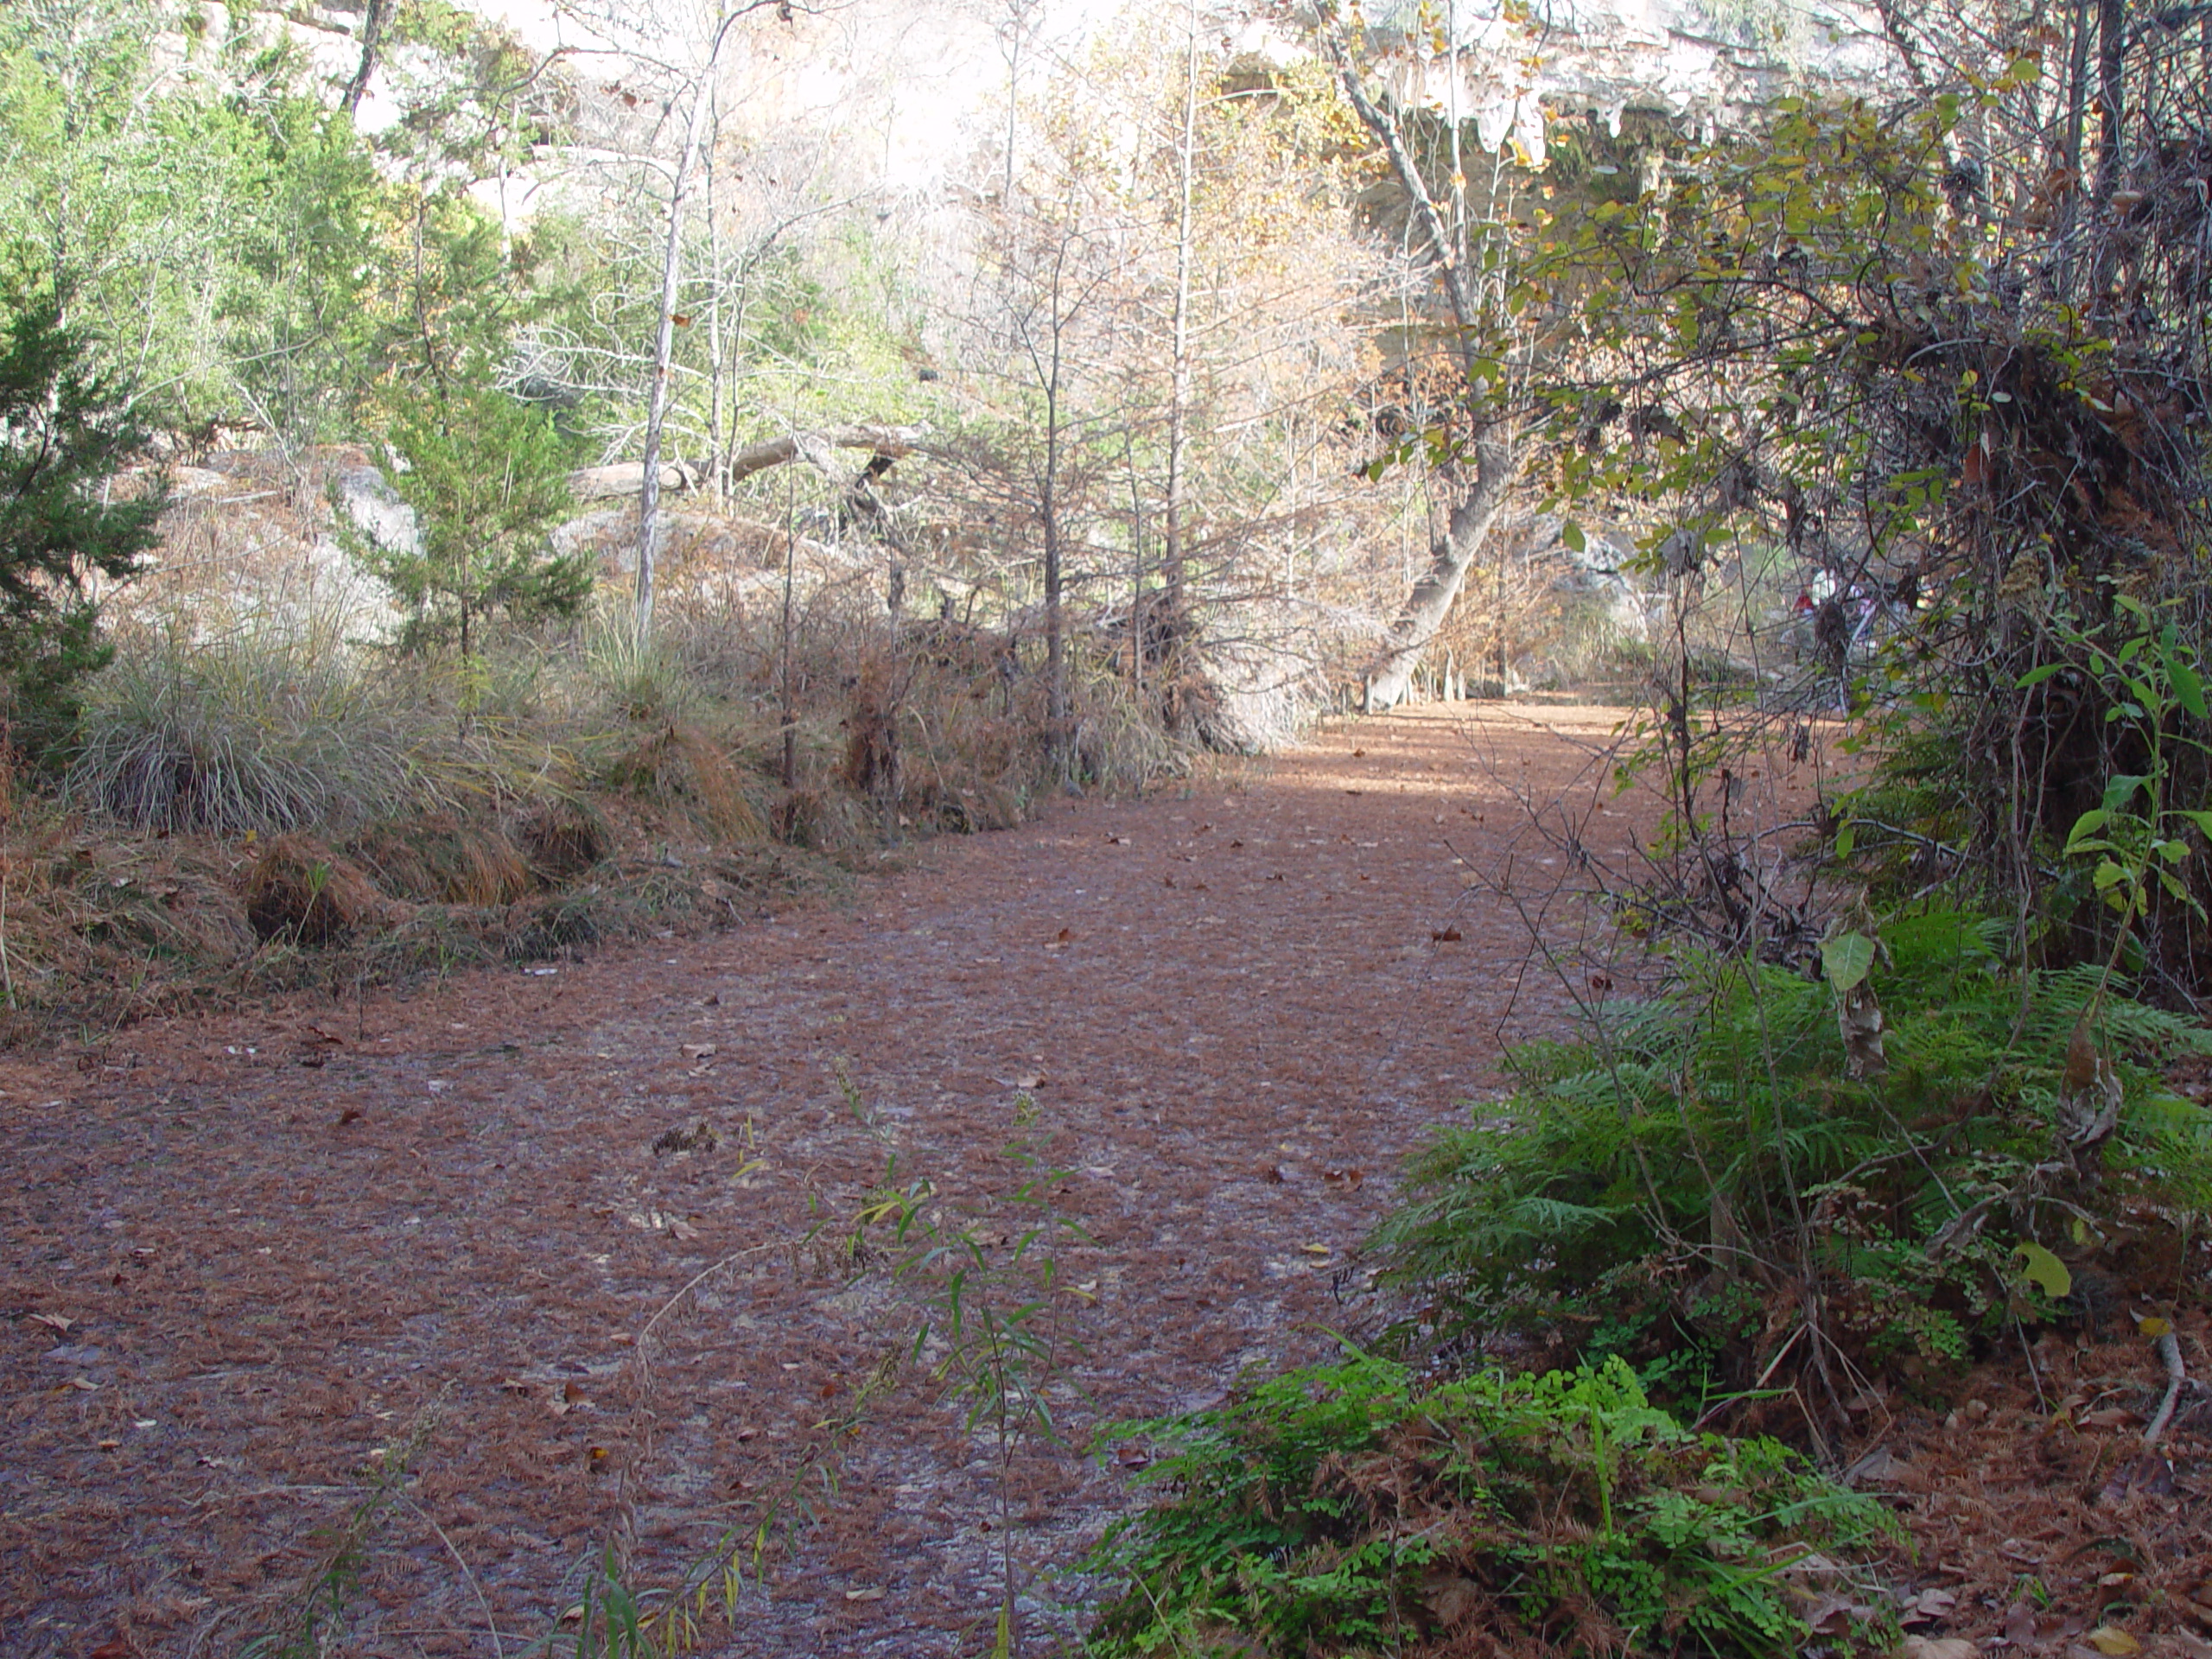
(60, 1322)
(1927, 1606)
(1943, 1647)
(873, 1594)
(2111, 1640)
(1446, 936)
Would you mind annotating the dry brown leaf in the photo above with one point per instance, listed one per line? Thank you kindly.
(1943, 1647)
(2088, 1091)
(873, 1592)
(1859, 1017)
(1453, 1598)
(60, 1322)
(1928, 1606)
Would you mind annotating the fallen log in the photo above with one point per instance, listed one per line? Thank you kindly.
(628, 477)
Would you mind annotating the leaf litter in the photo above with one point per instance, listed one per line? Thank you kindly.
(592, 1265)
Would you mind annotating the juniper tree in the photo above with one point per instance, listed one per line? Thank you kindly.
(64, 432)
(488, 476)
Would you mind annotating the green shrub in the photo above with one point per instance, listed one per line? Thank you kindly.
(64, 434)
(1691, 1160)
(1358, 1508)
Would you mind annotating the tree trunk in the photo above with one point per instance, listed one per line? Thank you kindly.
(1179, 395)
(671, 276)
(1466, 531)
(1056, 667)
(2112, 95)
(373, 21)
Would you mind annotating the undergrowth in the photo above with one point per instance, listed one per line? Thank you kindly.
(1361, 1507)
(1684, 1179)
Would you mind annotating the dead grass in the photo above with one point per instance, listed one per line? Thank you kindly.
(447, 859)
(298, 889)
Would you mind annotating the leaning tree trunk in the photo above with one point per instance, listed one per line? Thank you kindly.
(1466, 531)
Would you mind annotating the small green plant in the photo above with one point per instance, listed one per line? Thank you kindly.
(2134, 834)
(317, 1624)
(991, 1330)
(273, 725)
(1359, 1507)
(64, 432)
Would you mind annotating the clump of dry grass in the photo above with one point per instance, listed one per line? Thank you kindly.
(300, 889)
(681, 766)
(446, 858)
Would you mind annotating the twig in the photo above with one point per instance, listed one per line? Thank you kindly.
(2169, 1349)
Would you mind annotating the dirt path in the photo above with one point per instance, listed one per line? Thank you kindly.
(243, 1254)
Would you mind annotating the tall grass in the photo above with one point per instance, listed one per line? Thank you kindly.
(273, 726)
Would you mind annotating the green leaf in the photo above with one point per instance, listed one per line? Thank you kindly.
(2088, 824)
(2037, 675)
(1846, 837)
(2045, 1271)
(2108, 875)
(1571, 533)
(2121, 789)
(2188, 687)
(2202, 820)
(1846, 959)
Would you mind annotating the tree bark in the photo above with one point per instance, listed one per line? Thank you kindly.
(1466, 531)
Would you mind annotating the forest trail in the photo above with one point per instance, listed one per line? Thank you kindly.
(244, 1252)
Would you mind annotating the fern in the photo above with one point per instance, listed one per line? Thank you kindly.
(1682, 1136)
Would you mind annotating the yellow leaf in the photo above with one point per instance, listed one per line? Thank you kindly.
(2045, 1271)
(2152, 1326)
(1314, 1249)
(2111, 1640)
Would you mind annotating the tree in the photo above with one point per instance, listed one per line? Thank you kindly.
(1475, 456)
(63, 435)
(488, 476)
